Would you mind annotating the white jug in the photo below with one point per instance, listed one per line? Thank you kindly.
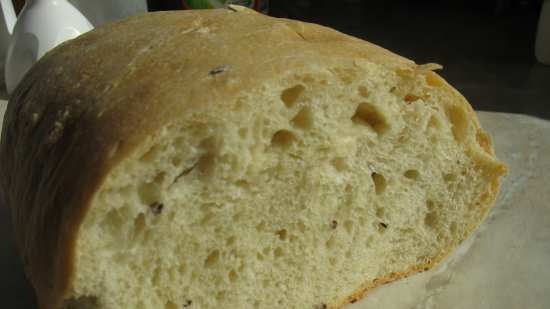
(41, 25)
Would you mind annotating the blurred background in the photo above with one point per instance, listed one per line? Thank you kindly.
(487, 47)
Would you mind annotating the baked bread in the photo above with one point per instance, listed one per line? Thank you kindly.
(225, 159)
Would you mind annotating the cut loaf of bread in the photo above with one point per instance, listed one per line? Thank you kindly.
(225, 159)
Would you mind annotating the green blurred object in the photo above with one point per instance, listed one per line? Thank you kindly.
(200, 4)
(259, 5)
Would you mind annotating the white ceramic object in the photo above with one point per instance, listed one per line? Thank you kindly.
(542, 45)
(41, 25)
(100, 12)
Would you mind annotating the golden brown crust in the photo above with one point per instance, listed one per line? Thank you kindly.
(88, 103)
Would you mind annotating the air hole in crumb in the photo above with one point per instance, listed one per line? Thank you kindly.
(260, 227)
(208, 216)
(434, 80)
(368, 115)
(380, 212)
(240, 104)
(187, 303)
(176, 161)
(116, 218)
(238, 217)
(330, 242)
(220, 296)
(304, 119)
(212, 258)
(434, 122)
(379, 183)
(218, 70)
(348, 226)
(179, 142)
(272, 210)
(363, 91)
(156, 208)
(278, 252)
(430, 205)
(409, 98)
(457, 116)
(283, 139)
(412, 174)
(156, 277)
(449, 177)
(405, 73)
(483, 140)
(242, 183)
(431, 219)
(218, 280)
(347, 76)
(453, 228)
(308, 79)
(301, 226)
(182, 268)
(151, 154)
(382, 226)
(148, 192)
(139, 223)
(206, 163)
(210, 143)
(291, 95)
(230, 240)
(282, 234)
(339, 164)
(232, 276)
(333, 224)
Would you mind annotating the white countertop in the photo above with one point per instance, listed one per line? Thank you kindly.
(505, 265)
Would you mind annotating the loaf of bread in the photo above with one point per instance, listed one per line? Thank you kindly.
(226, 159)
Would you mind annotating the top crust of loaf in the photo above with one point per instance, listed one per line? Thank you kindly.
(91, 101)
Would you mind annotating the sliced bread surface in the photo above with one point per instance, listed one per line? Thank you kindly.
(225, 159)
